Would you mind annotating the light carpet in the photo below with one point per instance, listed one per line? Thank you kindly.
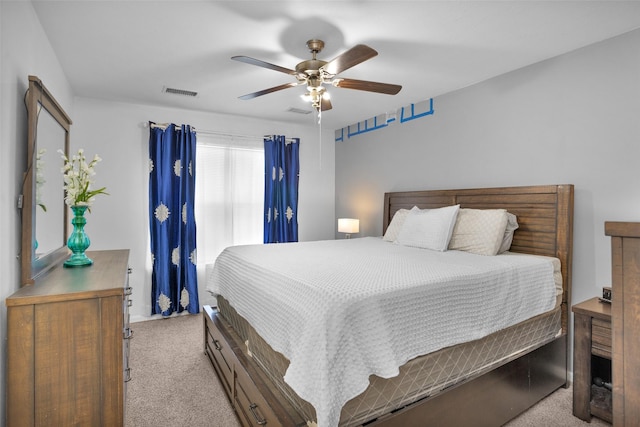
(173, 383)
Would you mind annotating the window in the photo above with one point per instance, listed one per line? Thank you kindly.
(229, 200)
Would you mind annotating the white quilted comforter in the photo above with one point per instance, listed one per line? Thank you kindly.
(345, 309)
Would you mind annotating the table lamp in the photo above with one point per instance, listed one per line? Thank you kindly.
(348, 226)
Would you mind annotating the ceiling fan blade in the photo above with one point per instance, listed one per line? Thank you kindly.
(386, 88)
(348, 59)
(325, 104)
(266, 91)
(259, 63)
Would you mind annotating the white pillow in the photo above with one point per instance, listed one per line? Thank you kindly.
(512, 225)
(479, 231)
(428, 228)
(396, 224)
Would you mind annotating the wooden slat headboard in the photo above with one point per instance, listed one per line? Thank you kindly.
(545, 218)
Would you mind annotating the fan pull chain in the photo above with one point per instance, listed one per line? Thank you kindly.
(319, 145)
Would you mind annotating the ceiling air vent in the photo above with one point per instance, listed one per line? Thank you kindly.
(179, 91)
(298, 111)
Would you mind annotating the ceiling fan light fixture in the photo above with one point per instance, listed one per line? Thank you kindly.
(315, 73)
(315, 96)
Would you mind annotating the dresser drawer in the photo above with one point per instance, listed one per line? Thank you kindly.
(250, 405)
(601, 338)
(221, 356)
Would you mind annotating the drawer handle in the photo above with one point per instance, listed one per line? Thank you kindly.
(129, 302)
(128, 333)
(127, 375)
(252, 408)
(216, 344)
(128, 290)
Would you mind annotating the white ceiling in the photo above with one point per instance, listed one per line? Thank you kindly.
(129, 50)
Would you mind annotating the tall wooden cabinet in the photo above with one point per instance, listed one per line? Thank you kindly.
(67, 346)
(625, 321)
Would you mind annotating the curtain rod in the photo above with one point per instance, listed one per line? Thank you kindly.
(163, 126)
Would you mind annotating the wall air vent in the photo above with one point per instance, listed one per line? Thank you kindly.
(179, 91)
(298, 111)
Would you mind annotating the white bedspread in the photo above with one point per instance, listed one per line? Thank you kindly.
(345, 309)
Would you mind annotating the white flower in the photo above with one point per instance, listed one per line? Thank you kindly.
(78, 179)
(40, 178)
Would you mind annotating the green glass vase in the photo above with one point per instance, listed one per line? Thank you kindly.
(78, 241)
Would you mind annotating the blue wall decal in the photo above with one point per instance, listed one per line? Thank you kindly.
(417, 111)
(410, 112)
(368, 125)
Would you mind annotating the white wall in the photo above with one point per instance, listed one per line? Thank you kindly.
(25, 50)
(568, 120)
(115, 131)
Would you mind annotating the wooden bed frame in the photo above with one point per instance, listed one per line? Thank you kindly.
(545, 218)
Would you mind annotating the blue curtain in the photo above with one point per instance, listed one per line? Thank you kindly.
(172, 161)
(281, 169)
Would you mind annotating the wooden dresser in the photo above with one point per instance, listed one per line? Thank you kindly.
(67, 345)
(625, 321)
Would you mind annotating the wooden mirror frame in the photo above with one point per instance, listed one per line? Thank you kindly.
(39, 97)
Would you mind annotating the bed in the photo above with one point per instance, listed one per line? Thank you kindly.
(479, 381)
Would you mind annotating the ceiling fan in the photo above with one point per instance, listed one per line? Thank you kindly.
(315, 73)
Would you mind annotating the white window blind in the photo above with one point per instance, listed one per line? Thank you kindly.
(229, 200)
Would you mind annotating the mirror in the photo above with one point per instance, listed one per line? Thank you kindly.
(49, 196)
(44, 215)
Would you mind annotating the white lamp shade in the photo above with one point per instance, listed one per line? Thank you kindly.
(348, 225)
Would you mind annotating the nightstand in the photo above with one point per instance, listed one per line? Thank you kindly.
(591, 359)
